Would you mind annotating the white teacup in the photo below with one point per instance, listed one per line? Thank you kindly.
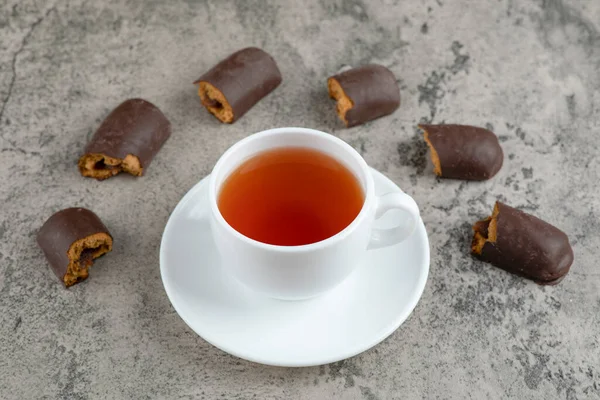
(300, 272)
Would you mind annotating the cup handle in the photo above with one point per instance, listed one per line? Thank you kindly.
(387, 237)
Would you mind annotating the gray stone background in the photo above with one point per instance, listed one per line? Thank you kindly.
(528, 70)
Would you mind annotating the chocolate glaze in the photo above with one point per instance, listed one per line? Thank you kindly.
(527, 246)
(465, 152)
(135, 127)
(244, 78)
(61, 230)
(373, 91)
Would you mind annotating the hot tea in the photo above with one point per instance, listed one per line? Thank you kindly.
(290, 196)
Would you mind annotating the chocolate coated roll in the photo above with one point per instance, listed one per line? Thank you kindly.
(364, 93)
(127, 140)
(233, 86)
(70, 240)
(522, 244)
(463, 151)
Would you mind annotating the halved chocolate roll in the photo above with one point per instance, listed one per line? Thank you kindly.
(233, 86)
(71, 239)
(364, 93)
(127, 140)
(523, 245)
(463, 151)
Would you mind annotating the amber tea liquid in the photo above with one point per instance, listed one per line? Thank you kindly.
(290, 196)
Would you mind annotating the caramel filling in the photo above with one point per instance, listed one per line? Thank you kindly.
(215, 102)
(435, 159)
(485, 231)
(81, 255)
(344, 103)
(101, 166)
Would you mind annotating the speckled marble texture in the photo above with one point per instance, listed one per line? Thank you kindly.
(528, 70)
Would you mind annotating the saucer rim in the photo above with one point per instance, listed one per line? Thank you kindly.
(385, 333)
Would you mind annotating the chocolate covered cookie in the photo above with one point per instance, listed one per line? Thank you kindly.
(127, 140)
(364, 93)
(233, 86)
(463, 151)
(522, 244)
(71, 239)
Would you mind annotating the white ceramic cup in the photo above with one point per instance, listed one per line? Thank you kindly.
(301, 272)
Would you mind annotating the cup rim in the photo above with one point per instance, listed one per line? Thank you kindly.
(330, 241)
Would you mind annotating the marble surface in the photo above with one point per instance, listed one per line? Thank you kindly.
(528, 70)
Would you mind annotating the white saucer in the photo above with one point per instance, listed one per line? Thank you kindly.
(355, 316)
